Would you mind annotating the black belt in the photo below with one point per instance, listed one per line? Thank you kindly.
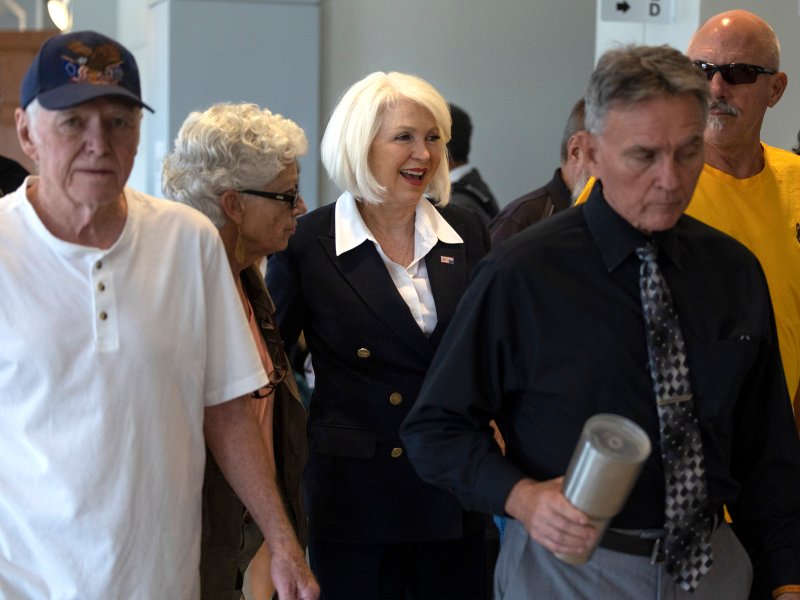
(641, 544)
(634, 544)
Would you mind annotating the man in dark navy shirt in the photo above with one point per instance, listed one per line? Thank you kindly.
(551, 332)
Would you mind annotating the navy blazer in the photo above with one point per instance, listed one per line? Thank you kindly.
(370, 358)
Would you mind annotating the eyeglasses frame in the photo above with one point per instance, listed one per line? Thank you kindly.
(709, 69)
(280, 368)
(291, 199)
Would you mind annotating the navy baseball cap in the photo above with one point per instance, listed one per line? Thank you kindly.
(76, 67)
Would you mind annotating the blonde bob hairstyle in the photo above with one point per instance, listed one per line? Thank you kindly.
(228, 147)
(355, 122)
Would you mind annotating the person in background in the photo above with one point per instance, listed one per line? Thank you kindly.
(372, 280)
(623, 305)
(12, 174)
(749, 189)
(468, 187)
(236, 163)
(567, 182)
(123, 349)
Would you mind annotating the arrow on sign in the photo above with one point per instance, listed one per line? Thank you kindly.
(623, 6)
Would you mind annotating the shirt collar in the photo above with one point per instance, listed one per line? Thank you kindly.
(351, 231)
(616, 238)
(457, 173)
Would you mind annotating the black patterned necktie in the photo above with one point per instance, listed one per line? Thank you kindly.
(688, 520)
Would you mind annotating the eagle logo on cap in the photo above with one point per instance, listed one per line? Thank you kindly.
(100, 65)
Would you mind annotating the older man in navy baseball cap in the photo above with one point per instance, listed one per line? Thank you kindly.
(77, 67)
(124, 349)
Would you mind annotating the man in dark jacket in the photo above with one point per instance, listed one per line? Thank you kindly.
(469, 188)
(556, 195)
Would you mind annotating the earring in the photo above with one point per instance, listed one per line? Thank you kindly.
(238, 251)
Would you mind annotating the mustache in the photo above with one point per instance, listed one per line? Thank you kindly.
(723, 107)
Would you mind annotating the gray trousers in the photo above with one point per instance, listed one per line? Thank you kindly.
(526, 570)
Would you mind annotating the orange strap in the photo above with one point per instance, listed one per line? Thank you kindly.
(785, 589)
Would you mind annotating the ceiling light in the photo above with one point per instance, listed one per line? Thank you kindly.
(61, 13)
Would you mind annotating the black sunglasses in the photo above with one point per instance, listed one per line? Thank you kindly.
(290, 198)
(734, 73)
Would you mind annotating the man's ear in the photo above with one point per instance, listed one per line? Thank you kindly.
(232, 206)
(777, 87)
(25, 135)
(587, 145)
(574, 149)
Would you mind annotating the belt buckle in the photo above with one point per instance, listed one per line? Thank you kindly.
(655, 555)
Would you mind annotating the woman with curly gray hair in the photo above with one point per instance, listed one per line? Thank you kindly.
(236, 163)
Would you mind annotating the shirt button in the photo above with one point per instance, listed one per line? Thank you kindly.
(98, 265)
(363, 353)
(397, 452)
(396, 398)
(101, 286)
(103, 315)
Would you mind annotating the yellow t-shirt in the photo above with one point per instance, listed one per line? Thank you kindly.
(763, 213)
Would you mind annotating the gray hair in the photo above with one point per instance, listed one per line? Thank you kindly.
(575, 123)
(32, 112)
(228, 147)
(632, 74)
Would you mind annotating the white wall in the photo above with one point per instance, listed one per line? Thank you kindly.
(98, 15)
(262, 51)
(676, 33)
(517, 66)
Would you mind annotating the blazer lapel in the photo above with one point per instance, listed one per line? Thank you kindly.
(448, 273)
(363, 269)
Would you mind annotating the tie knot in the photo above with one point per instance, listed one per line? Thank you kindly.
(647, 252)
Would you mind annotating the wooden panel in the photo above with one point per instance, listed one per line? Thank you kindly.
(17, 50)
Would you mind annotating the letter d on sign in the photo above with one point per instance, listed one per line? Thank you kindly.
(655, 9)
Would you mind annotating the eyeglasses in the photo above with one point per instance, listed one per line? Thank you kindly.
(280, 365)
(290, 198)
(734, 73)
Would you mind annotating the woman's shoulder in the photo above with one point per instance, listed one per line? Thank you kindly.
(467, 223)
(455, 214)
(317, 221)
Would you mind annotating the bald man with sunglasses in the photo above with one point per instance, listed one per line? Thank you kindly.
(748, 189)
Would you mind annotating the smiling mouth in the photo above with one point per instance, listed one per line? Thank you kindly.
(413, 175)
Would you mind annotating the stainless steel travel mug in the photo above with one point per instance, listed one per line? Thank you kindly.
(604, 467)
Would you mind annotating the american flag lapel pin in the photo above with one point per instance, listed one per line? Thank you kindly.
(447, 260)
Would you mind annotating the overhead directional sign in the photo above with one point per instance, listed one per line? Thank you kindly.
(638, 11)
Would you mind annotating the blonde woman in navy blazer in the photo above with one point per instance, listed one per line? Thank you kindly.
(373, 280)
